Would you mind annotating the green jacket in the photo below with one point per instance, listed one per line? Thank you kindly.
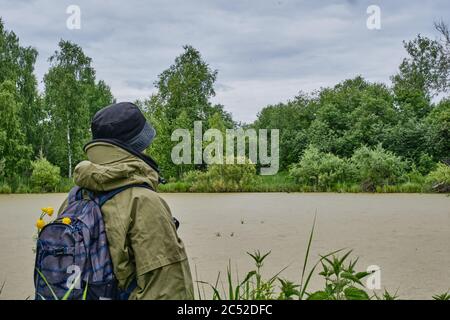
(142, 237)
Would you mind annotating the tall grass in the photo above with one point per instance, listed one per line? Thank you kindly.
(282, 182)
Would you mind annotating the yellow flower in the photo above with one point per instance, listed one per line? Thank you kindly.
(66, 220)
(40, 224)
(48, 210)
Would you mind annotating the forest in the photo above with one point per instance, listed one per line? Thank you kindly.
(355, 136)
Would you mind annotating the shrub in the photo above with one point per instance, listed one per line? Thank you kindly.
(5, 188)
(192, 176)
(439, 179)
(2, 168)
(319, 169)
(45, 176)
(223, 177)
(22, 188)
(377, 167)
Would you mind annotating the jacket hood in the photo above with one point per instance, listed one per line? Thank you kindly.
(109, 167)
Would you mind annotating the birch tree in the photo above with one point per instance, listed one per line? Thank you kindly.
(69, 85)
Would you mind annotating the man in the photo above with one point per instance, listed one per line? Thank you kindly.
(144, 246)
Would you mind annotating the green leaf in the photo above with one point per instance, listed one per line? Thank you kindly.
(352, 293)
(85, 290)
(68, 292)
(363, 274)
(47, 284)
(318, 295)
(349, 276)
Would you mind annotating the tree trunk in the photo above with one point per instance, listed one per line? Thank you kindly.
(69, 149)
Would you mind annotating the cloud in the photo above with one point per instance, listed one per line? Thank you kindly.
(265, 51)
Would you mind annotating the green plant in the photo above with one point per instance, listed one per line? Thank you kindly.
(386, 296)
(341, 280)
(68, 292)
(439, 179)
(253, 287)
(377, 167)
(223, 178)
(5, 188)
(45, 176)
(443, 296)
(320, 170)
(2, 168)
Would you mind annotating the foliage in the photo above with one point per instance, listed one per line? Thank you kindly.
(184, 91)
(341, 281)
(5, 188)
(14, 151)
(440, 178)
(223, 178)
(320, 170)
(377, 167)
(45, 176)
(443, 296)
(71, 98)
(17, 65)
(410, 118)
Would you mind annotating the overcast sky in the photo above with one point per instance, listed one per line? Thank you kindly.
(266, 51)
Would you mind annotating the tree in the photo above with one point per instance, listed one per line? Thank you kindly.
(17, 65)
(184, 91)
(438, 123)
(187, 85)
(292, 119)
(424, 73)
(15, 153)
(71, 98)
(100, 96)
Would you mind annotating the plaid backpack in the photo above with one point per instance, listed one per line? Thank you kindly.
(72, 258)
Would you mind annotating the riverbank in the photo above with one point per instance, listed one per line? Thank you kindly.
(280, 182)
(407, 235)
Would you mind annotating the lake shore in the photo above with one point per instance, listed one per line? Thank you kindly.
(407, 235)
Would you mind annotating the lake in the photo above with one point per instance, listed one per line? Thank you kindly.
(406, 235)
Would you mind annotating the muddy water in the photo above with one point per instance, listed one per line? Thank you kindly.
(406, 235)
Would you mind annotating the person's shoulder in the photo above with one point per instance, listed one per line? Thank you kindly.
(143, 193)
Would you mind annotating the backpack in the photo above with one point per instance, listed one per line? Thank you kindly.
(72, 259)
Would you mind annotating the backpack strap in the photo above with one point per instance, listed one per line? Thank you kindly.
(75, 194)
(102, 197)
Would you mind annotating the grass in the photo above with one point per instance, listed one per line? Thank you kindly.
(282, 182)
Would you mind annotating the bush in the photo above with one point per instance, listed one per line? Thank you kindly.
(5, 188)
(22, 188)
(2, 168)
(439, 179)
(192, 176)
(223, 178)
(45, 176)
(377, 167)
(321, 170)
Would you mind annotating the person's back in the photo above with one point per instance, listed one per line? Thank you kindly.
(145, 249)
